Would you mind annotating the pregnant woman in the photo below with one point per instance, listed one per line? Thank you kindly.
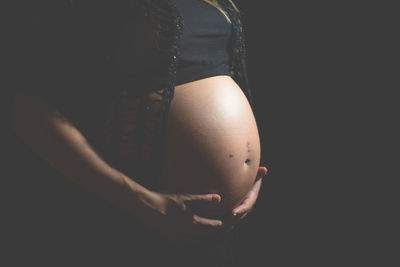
(146, 103)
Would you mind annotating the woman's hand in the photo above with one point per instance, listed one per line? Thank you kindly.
(241, 211)
(172, 216)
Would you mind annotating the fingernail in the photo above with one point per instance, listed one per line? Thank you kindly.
(216, 199)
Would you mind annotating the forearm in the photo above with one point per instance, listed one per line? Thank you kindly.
(67, 150)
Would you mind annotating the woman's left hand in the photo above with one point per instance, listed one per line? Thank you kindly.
(241, 211)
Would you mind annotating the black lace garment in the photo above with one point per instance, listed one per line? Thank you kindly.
(82, 63)
(204, 49)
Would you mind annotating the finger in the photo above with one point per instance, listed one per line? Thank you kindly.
(262, 172)
(201, 227)
(207, 198)
(246, 206)
(256, 187)
(249, 201)
(206, 223)
(241, 209)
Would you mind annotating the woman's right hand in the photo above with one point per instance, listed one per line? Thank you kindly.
(173, 216)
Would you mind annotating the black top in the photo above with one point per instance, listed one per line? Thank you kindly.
(204, 45)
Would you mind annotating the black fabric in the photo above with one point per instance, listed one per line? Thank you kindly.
(204, 44)
(203, 48)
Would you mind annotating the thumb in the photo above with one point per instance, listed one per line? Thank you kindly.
(262, 171)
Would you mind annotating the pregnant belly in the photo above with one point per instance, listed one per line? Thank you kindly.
(212, 143)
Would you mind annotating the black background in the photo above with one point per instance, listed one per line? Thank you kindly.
(316, 74)
(321, 76)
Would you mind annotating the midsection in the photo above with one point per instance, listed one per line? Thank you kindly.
(212, 143)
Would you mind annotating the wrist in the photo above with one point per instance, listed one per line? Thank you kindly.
(136, 199)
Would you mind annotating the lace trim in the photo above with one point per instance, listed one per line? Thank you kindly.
(135, 126)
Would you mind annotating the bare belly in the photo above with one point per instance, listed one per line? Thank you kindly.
(212, 142)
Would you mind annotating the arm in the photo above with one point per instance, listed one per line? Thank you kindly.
(59, 143)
